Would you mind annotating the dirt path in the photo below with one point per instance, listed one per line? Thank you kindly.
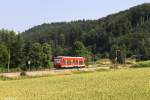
(50, 72)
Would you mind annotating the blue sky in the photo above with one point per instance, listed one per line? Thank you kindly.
(19, 15)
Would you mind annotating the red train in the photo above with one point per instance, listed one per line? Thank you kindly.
(65, 62)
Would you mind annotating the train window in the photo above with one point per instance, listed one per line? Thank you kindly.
(57, 61)
(76, 61)
(69, 62)
(65, 62)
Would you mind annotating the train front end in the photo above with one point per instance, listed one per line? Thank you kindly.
(57, 62)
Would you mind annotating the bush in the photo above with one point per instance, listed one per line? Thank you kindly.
(23, 73)
(2, 69)
(142, 64)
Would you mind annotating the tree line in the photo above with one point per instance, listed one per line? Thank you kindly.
(16, 53)
(127, 29)
(121, 35)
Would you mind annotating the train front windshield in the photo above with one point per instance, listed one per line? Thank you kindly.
(57, 61)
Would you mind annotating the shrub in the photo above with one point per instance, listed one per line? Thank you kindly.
(142, 64)
(23, 73)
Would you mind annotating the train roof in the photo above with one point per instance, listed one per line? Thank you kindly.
(67, 57)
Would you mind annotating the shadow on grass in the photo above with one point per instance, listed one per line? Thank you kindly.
(4, 78)
(102, 70)
(69, 68)
(82, 72)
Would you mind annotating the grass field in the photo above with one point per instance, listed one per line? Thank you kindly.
(142, 64)
(123, 84)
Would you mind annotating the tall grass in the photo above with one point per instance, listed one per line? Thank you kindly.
(124, 84)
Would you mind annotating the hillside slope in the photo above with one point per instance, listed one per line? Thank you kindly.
(124, 28)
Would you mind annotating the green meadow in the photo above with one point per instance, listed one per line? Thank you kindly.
(120, 84)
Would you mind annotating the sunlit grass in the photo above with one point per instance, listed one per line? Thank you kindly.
(122, 84)
(142, 64)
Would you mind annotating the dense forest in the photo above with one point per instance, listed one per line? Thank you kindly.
(127, 31)
(130, 28)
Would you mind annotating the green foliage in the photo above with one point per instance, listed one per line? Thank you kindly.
(36, 55)
(18, 55)
(113, 52)
(58, 50)
(15, 52)
(122, 54)
(127, 31)
(80, 50)
(3, 55)
(39, 55)
(142, 64)
(129, 28)
(118, 54)
(8, 38)
(46, 55)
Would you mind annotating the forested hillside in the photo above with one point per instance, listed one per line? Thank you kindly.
(128, 29)
(126, 33)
